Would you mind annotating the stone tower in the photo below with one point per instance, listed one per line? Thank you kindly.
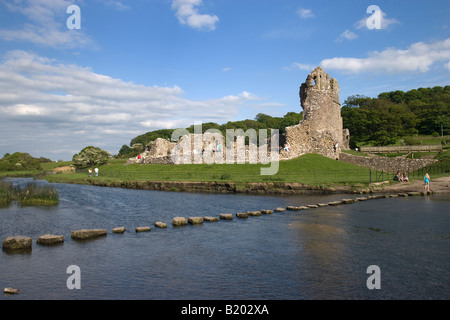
(321, 130)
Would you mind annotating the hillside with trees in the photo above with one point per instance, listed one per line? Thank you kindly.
(392, 115)
(372, 121)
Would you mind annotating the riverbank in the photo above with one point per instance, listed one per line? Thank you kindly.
(309, 173)
(438, 186)
(221, 187)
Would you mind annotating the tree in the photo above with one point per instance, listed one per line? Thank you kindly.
(357, 101)
(126, 152)
(19, 161)
(90, 156)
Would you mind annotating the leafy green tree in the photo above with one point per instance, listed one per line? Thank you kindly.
(90, 156)
(357, 101)
(137, 148)
(19, 161)
(148, 137)
(126, 152)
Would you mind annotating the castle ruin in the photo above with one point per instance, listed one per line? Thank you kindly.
(321, 130)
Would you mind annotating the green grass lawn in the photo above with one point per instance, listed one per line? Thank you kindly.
(310, 169)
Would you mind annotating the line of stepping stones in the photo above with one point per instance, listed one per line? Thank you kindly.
(24, 244)
(21, 243)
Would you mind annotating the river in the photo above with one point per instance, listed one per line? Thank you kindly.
(320, 253)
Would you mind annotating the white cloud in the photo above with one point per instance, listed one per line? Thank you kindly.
(187, 13)
(347, 35)
(447, 66)
(117, 4)
(419, 57)
(305, 13)
(300, 66)
(45, 25)
(51, 107)
(385, 22)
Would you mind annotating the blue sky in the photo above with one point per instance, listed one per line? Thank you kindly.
(141, 65)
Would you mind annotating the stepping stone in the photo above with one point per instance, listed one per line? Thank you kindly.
(266, 211)
(211, 219)
(226, 216)
(280, 209)
(179, 221)
(254, 213)
(86, 234)
(242, 215)
(195, 220)
(10, 291)
(322, 204)
(119, 230)
(312, 206)
(294, 208)
(160, 225)
(17, 243)
(143, 229)
(50, 239)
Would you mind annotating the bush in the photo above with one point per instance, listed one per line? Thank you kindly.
(412, 141)
(19, 162)
(90, 156)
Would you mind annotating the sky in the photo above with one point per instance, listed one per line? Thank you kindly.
(115, 69)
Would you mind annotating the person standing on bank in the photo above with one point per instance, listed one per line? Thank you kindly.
(96, 172)
(427, 182)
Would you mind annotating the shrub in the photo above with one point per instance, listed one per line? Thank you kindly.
(90, 156)
(19, 162)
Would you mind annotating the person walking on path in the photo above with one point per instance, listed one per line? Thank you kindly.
(427, 182)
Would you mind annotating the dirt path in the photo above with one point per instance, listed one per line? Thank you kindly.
(438, 185)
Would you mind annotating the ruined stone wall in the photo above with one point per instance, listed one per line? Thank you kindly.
(158, 153)
(321, 130)
(387, 164)
(202, 148)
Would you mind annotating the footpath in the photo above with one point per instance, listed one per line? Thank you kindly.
(437, 186)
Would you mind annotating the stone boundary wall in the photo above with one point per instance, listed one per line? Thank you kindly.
(387, 164)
